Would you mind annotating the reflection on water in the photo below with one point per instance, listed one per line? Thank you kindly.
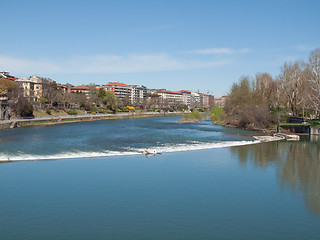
(298, 165)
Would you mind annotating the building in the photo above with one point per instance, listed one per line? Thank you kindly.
(4, 105)
(120, 89)
(170, 98)
(195, 100)
(138, 94)
(34, 86)
(220, 102)
(186, 97)
(7, 85)
(80, 89)
(211, 100)
(7, 76)
(66, 88)
(204, 100)
(27, 86)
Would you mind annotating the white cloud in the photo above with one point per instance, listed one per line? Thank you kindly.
(213, 51)
(104, 64)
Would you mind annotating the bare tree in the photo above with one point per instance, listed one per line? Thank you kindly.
(16, 100)
(314, 79)
(93, 97)
(292, 84)
(266, 88)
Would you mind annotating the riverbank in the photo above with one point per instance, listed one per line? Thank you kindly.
(14, 123)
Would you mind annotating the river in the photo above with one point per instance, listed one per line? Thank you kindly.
(86, 180)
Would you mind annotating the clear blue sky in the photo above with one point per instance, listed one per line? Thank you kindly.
(195, 45)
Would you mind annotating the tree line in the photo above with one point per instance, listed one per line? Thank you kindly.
(258, 102)
(54, 99)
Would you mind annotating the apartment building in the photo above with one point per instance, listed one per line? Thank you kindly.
(195, 100)
(27, 85)
(120, 89)
(138, 94)
(186, 97)
(220, 102)
(33, 86)
(171, 98)
(204, 100)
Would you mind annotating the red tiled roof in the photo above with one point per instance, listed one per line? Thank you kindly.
(184, 91)
(117, 83)
(10, 77)
(170, 92)
(81, 87)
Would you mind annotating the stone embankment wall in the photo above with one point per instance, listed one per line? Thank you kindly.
(315, 131)
(13, 123)
(5, 125)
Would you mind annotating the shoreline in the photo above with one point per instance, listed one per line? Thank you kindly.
(43, 121)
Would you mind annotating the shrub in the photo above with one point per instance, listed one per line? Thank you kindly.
(86, 107)
(72, 112)
(27, 110)
(93, 109)
(130, 108)
(217, 114)
(194, 116)
(48, 111)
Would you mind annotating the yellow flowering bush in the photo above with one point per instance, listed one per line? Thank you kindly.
(130, 108)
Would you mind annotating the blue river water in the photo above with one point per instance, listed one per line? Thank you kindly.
(209, 182)
(114, 137)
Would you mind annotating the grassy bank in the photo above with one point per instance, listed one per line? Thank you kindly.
(193, 117)
(44, 113)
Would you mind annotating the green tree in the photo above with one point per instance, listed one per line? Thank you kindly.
(102, 94)
(245, 107)
(110, 100)
(27, 110)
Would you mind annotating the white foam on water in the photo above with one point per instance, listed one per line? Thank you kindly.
(65, 155)
(160, 149)
(201, 146)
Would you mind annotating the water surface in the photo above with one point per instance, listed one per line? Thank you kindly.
(256, 191)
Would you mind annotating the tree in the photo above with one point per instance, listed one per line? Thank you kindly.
(6, 86)
(102, 93)
(16, 99)
(110, 100)
(27, 110)
(245, 108)
(314, 79)
(266, 89)
(292, 84)
(49, 91)
(125, 101)
(93, 97)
